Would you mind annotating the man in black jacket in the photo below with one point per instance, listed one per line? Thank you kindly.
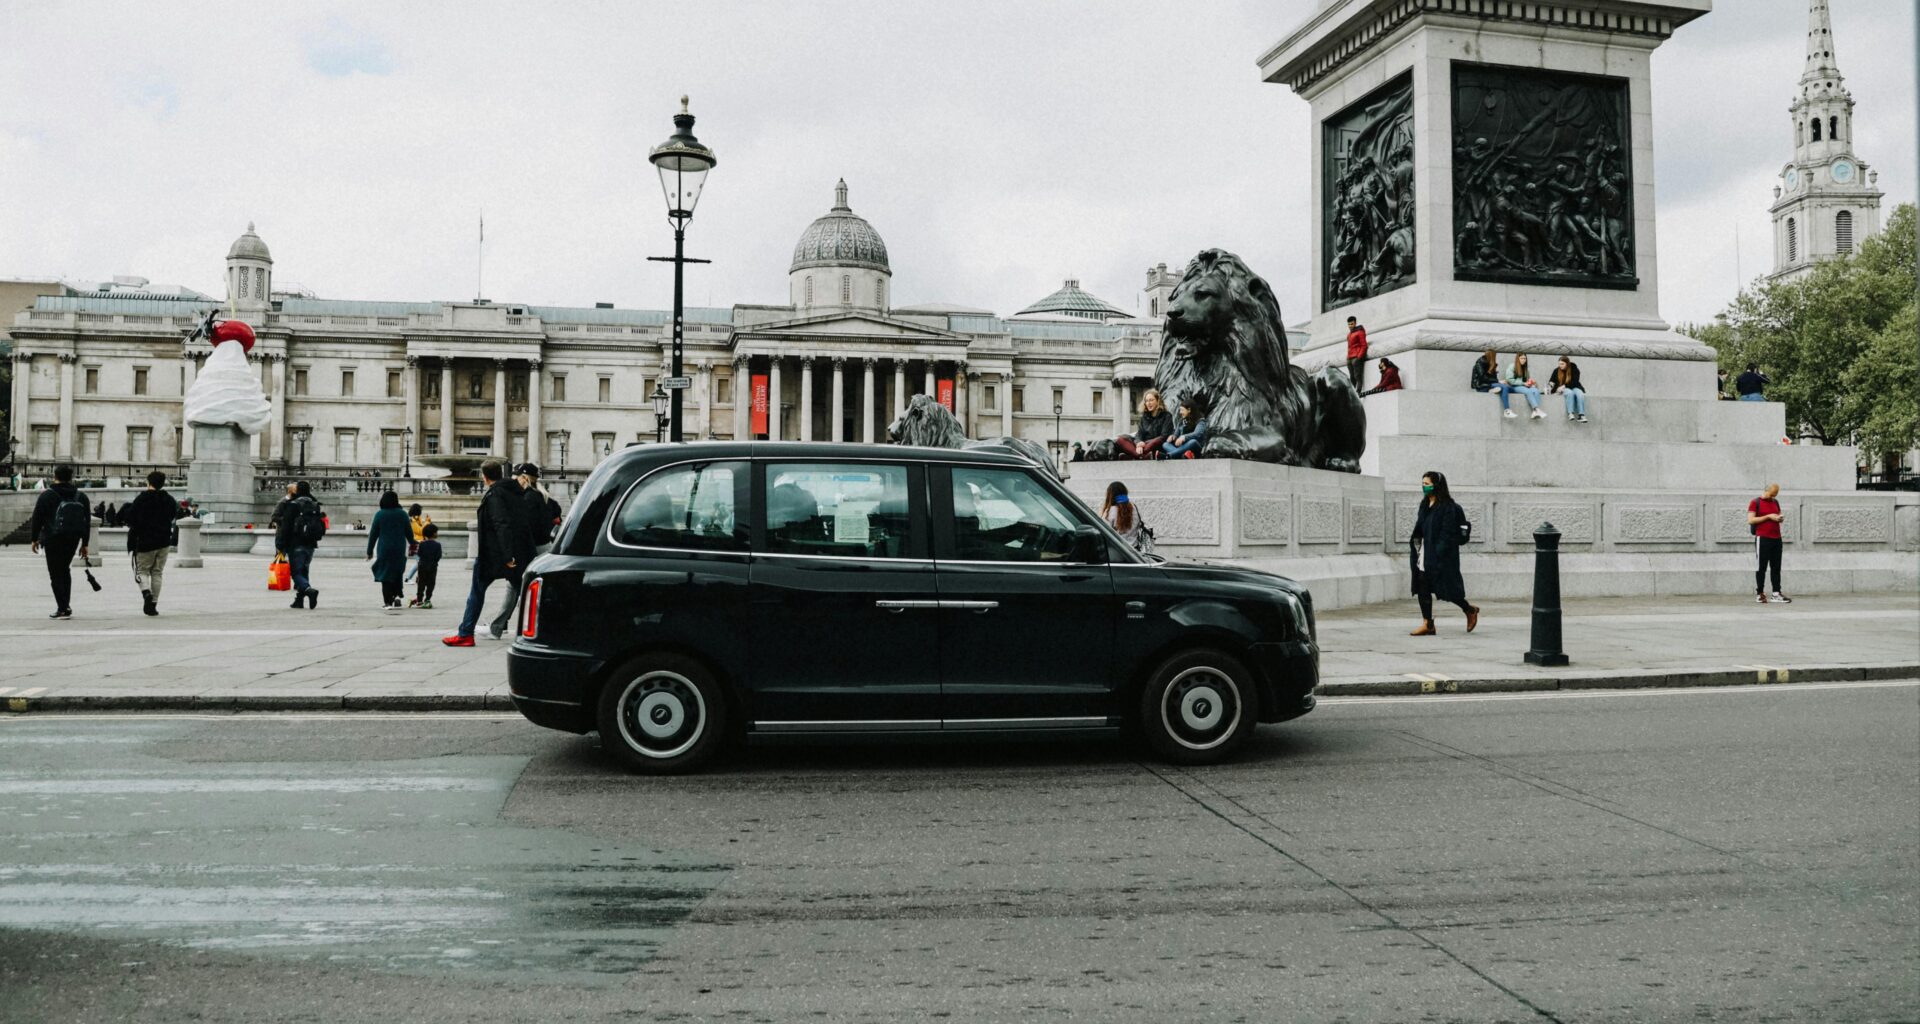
(502, 546)
(540, 512)
(61, 521)
(149, 517)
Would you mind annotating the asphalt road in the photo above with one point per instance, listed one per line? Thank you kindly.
(1737, 855)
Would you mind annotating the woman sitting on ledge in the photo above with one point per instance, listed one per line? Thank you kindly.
(1389, 379)
(1156, 425)
(1193, 430)
(1520, 381)
(1566, 381)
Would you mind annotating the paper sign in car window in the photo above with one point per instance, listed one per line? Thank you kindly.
(850, 523)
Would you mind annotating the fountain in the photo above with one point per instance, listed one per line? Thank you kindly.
(463, 471)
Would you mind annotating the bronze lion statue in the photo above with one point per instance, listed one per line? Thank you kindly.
(928, 423)
(1224, 340)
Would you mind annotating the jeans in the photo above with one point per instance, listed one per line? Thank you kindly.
(1576, 401)
(299, 561)
(1175, 451)
(1755, 397)
(148, 568)
(476, 600)
(1767, 550)
(60, 554)
(1532, 394)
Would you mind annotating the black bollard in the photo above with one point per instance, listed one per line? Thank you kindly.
(1546, 598)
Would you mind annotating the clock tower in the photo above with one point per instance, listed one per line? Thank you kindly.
(1827, 200)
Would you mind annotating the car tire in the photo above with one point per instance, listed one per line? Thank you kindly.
(1198, 708)
(662, 714)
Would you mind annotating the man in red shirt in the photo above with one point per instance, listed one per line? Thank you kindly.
(1764, 518)
(1357, 354)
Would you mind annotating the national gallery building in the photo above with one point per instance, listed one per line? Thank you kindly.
(99, 374)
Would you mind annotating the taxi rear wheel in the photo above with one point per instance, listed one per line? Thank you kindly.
(1198, 708)
(663, 713)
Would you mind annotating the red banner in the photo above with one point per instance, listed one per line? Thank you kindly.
(759, 425)
(945, 388)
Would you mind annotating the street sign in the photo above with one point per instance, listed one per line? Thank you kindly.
(676, 383)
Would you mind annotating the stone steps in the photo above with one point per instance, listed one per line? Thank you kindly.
(1465, 413)
(1571, 461)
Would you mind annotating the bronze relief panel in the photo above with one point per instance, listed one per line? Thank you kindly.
(1366, 224)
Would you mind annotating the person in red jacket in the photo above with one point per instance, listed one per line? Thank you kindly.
(1389, 378)
(1357, 354)
(1764, 517)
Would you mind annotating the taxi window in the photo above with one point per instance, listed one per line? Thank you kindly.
(849, 510)
(690, 507)
(1004, 515)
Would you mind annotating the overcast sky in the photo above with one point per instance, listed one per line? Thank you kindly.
(998, 147)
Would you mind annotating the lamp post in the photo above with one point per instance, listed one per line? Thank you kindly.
(300, 435)
(660, 409)
(683, 164)
(406, 452)
(1058, 446)
(565, 435)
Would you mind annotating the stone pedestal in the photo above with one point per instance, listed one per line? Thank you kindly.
(220, 477)
(186, 554)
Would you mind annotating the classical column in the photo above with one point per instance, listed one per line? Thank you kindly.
(276, 444)
(64, 440)
(962, 402)
(773, 398)
(1006, 404)
(838, 430)
(806, 398)
(536, 436)
(500, 407)
(446, 405)
(742, 397)
(930, 392)
(186, 429)
(866, 400)
(20, 423)
(702, 390)
(1122, 405)
(899, 388)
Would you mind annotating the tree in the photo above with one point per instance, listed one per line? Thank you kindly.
(1838, 345)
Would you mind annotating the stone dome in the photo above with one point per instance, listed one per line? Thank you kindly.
(249, 246)
(1070, 300)
(842, 238)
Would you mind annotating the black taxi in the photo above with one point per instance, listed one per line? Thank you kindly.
(709, 591)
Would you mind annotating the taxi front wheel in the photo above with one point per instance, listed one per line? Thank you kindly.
(663, 713)
(1198, 708)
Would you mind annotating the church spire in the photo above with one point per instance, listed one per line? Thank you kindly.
(1821, 62)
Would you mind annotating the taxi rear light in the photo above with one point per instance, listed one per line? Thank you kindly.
(530, 611)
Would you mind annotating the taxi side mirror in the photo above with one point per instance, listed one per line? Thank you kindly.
(1089, 545)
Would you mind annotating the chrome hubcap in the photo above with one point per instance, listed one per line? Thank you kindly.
(1201, 708)
(662, 714)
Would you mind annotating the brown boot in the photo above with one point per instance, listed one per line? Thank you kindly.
(1473, 617)
(1426, 629)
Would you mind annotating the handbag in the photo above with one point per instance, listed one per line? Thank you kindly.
(279, 574)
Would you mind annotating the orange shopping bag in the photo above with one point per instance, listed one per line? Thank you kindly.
(279, 574)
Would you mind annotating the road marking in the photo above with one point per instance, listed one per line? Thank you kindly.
(1677, 691)
(57, 633)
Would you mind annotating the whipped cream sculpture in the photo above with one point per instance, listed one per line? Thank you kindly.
(227, 391)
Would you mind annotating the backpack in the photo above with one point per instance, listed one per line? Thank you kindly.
(309, 524)
(1142, 537)
(72, 519)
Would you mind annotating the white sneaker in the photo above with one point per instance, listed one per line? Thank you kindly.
(1570, 417)
(1538, 415)
(1508, 413)
(1583, 419)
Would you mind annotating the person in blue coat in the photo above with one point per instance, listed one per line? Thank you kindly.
(387, 539)
(1434, 550)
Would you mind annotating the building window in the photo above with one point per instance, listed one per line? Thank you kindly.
(243, 282)
(556, 448)
(1793, 241)
(346, 383)
(259, 284)
(432, 445)
(809, 289)
(1099, 401)
(1019, 398)
(476, 385)
(517, 390)
(1816, 129)
(299, 380)
(139, 380)
(389, 447)
(1833, 128)
(139, 444)
(880, 293)
(89, 444)
(559, 387)
(393, 384)
(430, 388)
(1059, 398)
(606, 390)
(90, 381)
(43, 442)
(846, 288)
(517, 447)
(1843, 232)
(346, 447)
(991, 402)
(476, 444)
(1153, 307)
(723, 390)
(602, 446)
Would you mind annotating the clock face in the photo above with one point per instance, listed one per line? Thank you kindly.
(1793, 178)
(1842, 171)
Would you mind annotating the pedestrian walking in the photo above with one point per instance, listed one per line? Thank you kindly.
(543, 513)
(1565, 380)
(1156, 425)
(303, 525)
(61, 521)
(427, 568)
(1764, 517)
(502, 546)
(387, 541)
(1357, 354)
(276, 522)
(1434, 553)
(149, 518)
(1752, 385)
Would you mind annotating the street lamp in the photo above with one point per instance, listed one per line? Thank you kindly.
(660, 403)
(406, 452)
(683, 164)
(1059, 448)
(300, 435)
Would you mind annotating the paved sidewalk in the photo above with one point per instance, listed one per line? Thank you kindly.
(224, 642)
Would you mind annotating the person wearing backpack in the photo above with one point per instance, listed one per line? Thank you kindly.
(302, 526)
(61, 522)
(149, 517)
(1764, 517)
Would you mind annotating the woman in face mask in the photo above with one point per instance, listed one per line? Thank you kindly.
(1434, 553)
